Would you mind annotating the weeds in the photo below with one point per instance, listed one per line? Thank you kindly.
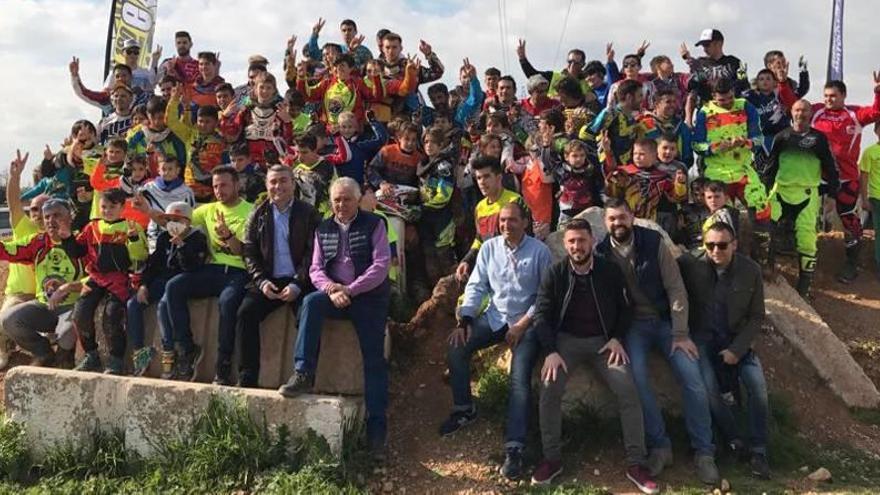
(492, 391)
(226, 451)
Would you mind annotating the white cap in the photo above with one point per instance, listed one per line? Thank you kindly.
(179, 209)
(131, 43)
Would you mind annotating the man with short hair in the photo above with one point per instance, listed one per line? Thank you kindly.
(143, 79)
(660, 321)
(726, 311)
(508, 272)
(121, 74)
(349, 270)
(223, 276)
(715, 65)
(581, 314)
(58, 269)
(351, 42)
(574, 68)
(203, 91)
(394, 65)
(842, 125)
(182, 66)
(277, 252)
(117, 123)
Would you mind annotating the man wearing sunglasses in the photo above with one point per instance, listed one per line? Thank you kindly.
(574, 67)
(144, 79)
(726, 311)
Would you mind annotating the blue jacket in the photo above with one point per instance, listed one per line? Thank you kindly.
(363, 149)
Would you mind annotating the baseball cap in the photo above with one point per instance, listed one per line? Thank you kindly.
(178, 209)
(709, 35)
(131, 43)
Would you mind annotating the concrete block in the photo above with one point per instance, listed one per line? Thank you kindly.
(340, 365)
(59, 406)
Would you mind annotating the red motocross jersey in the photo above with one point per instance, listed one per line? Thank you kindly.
(843, 128)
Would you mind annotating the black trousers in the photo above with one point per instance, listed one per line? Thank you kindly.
(253, 310)
(112, 321)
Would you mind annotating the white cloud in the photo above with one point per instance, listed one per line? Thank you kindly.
(37, 39)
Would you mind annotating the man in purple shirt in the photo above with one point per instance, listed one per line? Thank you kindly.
(350, 272)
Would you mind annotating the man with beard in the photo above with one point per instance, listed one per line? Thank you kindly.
(184, 67)
(660, 321)
(582, 314)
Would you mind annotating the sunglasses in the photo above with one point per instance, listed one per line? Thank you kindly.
(133, 52)
(711, 246)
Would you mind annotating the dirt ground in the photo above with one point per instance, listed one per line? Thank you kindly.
(423, 462)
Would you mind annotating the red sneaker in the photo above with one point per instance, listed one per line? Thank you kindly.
(546, 471)
(643, 480)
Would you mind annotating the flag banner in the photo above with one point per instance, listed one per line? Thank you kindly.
(835, 46)
(130, 20)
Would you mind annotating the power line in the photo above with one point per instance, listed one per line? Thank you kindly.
(505, 17)
(562, 34)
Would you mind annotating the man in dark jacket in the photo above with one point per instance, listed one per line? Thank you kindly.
(726, 310)
(277, 253)
(581, 314)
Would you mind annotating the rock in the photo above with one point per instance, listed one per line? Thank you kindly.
(596, 472)
(60, 406)
(725, 485)
(799, 323)
(804, 469)
(820, 475)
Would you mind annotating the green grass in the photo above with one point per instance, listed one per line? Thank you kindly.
(492, 389)
(225, 451)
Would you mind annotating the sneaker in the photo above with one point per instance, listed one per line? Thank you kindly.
(299, 383)
(115, 366)
(546, 472)
(458, 420)
(187, 363)
(643, 480)
(45, 361)
(169, 365)
(90, 362)
(848, 273)
(760, 467)
(248, 379)
(658, 460)
(141, 359)
(707, 471)
(512, 468)
(223, 374)
(65, 358)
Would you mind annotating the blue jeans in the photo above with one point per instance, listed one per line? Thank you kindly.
(751, 374)
(221, 281)
(644, 335)
(367, 313)
(524, 356)
(135, 316)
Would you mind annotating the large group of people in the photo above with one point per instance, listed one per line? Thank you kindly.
(189, 187)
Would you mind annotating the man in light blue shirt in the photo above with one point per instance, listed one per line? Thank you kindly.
(508, 271)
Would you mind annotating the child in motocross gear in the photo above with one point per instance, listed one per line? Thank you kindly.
(118, 123)
(798, 162)
(313, 175)
(205, 145)
(619, 124)
(251, 177)
(667, 153)
(719, 207)
(111, 245)
(580, 181)
(642, 183)
(265, 125)
(773, 114)
(156, 137)
(116, 171)
(436, 228)
(397, 163)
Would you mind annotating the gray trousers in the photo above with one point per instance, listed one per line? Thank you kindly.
(24, 323)
(574, 352)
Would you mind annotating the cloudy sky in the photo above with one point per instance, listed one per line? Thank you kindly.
(38, 38)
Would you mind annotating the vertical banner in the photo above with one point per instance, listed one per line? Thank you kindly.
(130, 19)
(835, 45)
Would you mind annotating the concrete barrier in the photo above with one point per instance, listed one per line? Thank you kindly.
(59, 407)
(340, 365)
